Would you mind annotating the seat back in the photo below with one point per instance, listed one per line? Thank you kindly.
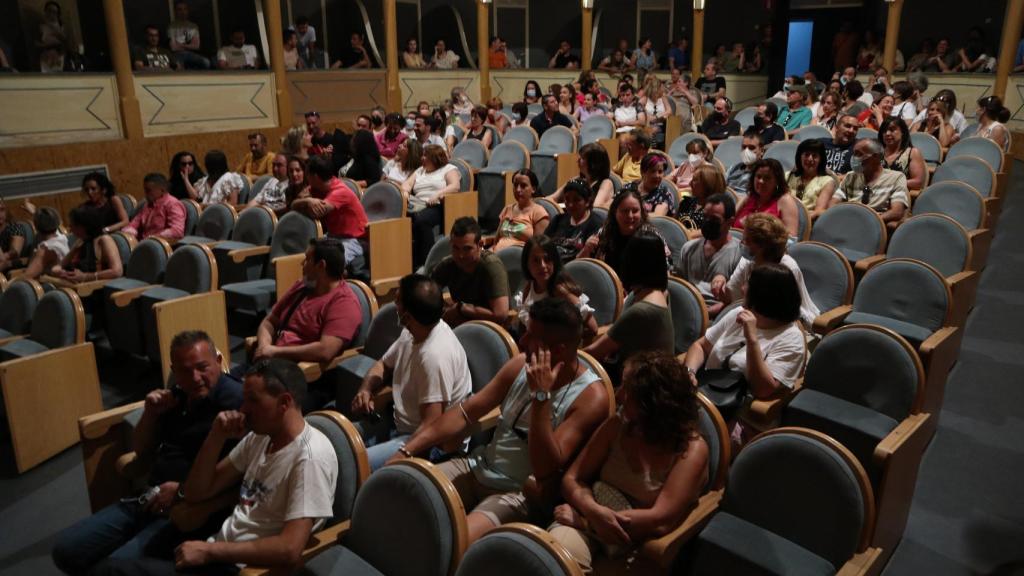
(516, 549)
(867, 133)
(715, 432)
(796, 482)
(689, 313)
(803, 222)
(784, 151)
(257, 187)
(677, 150)
(869, 366)
(512, 258)
(292, 235)
(780, 103)
(601, 285)
(672, 231)
(367, 307)
(550, 207)
(958, 200)
(383, 201)
(969, 169)
(495, 135)
(509, 156)
(728, 151)
(812, 132)
(746, 117)
(148, 261)
(192, 268)
(29, 230)
(353, 465)
(413, 504)
(828, 276)
(556, 140)
(488, 347)
(931, 149)
(971, 130)
(473, 152)
(124, 245)
(59, 319)
(934, 239)
(383, 332)
(465, 174)
(17, 305)
(128, 202)
(525, 135)
(441, 249)
(245, 194)
(851, 226)
(980, 147)
(255, 226)
(596, 128)
(192, 213)
(216, 222)
(601, 214)
(352, 185)
(905, 290)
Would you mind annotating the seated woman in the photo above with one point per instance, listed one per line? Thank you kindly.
(12, 239)
(595, 169)
(936, 123)
(992, 117)
(476, 129)
(698, 154)
(94, 255)
(769, 195)
(100, 197)
(656, 106)
(707, 181)
(408, 158)
(495, 117)
(626, 217)
(51, 244)
(570, 230)
(646, 325)
(220, 186)
(809, 180)
(544, 277)
(426, 189)
(522, 220)
(765, 240)
(184, 166)
(567, 103)
(296, 142)
(654, 192)
(297, 185)
(642, 471)
(900, 155)
(878, 112)
(828, 110)
(588, 108)
(365, 168)
(761, 339)
(627, 113)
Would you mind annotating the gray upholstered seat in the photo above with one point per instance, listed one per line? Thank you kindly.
(914, 333)
(215, 223)
(793, 505)
(511, 552)
(803, 222)
(677, 150)
(256, 294)
(466, 180)
(909, 297)
(512, 258)
(383, 330)
(980, 147)
(487, 350)
(746, 117)
(473, 152)
(785, 151)
(352, 185)
(689, 314)
(382, 201)
(716, 435)
(728, 151)
(124, 248)
(827, 275)
(17, 304)
(55, 324)
(958, 200)
(146, 265)
(853, 229)
(933, 239)
(601, 214)
(190, 270)
(672, 232)
(970, 169)
(29, 232)
(867, 133)
(192, 210)
(556, 140)
(348, 449)
(367, 306)
(811, 132)
(128, 202)
(245, 194)
(930, 148)
(599, 282)
(441, 249)
(524, 135)
(550, 207)
(596, 128)
(255, 227)
(490, 181)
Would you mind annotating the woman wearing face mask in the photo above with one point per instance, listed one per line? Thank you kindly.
(544, 277)
(654, 193)
(571, 229)
(810, 181)
(642, 471)
(992, 116)
(768, 194)
(764, 241)
(445, 129)
(626, 217)
(523, 219)
(900, 155)
(595, 170)
(477, 130)
(532, 93)
(698, 153)
(706, 182)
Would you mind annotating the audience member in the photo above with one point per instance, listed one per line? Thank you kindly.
(532, 93)
(765, 123)
(992, 117)
(973, 57)
(627, 113)
(656, 107)
(307, 42)
(407, 160)
(274, 194)
(943, 61)
(828, 111)
(238, 55)
(900, 155)
(183, 37)
(336, 205)
(595, 171)
(809, 180)
(769, 194)
(161, 215)
(956, 118)
(855, 99)
(219, 186)
(426, 189)
(174, 423)
(644, 59)
(878, 113)
(679, 55)
(918, 60)
(686, 98)
(626, 218)
(567, 100)
(637, 144)
(55, 43)
(839, 149)
(615, 63)
(297, 185)
(411, 56)
(12, 238)
(258, 161)
(497, 54)
(475, 278)
(707, 181)
(550, 117)
(795, 116)
(100, 197)
(426, 128)
(711, 85)
(735, 60)
(184, 167)
(588, 108)
(738, 177)
(51, 244)
(93, 255)
(870, 53)
(152, 57)
(292, 57)
(334, 145)
(657, 196)
(564, 57)
(883, 190)
(523, 219)
(426, 368)
(477, 129)
(355, 56)
(570, 229)
(297, 143)
(365, 167)
(708, 261)
(844, 46)
(719, 126)
(444, 59)
(904, 105)
(698, 154)
(391, 137)
(642, 471)
(544, 277)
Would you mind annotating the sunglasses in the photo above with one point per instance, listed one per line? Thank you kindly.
(865, 195)
(188, 163)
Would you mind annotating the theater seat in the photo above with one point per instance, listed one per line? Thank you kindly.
(516, 549)
(601, 285)
(58, 321)
(255, 227)
(215, 224)
(689, 313)
(853, 229)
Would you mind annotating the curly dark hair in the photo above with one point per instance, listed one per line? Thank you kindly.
(667, 402)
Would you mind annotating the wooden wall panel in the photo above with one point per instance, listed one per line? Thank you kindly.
(41, 109)
(338, 95)
(190, 103)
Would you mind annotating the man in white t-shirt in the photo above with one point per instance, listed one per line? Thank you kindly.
(273, 194)
(427, 367)
(183, 39)
(287, 469)
(238, 55)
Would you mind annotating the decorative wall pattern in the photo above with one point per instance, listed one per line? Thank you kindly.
(53, 109)
(338, 96)
(197, 102)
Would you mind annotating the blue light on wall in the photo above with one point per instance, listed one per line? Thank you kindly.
(798, 52)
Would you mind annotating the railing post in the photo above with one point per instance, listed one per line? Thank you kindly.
(275, 37)
(1007, 48)
(892, 34)
(117, 34)
(394, 92)
(483, 49)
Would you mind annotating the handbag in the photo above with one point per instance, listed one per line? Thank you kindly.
(724, 388)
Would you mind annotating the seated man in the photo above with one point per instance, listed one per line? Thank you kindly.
(638, 143)
(475, 278)
(317, 318)
(550, 404)
(870, 184)
(426, 367)
(273, 195)
(336, 205)
(172, 428)
(162, 215)
(153, 57)
(550, 117)
(288, 471)
(738, 177)
(258, 161)
(767, 114)
(51, 244)
(238, 55)
(839, 149)
(708, 262)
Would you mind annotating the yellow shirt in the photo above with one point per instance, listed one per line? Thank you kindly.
(627, 169)
(256, 168)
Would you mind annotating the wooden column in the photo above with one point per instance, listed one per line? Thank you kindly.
(394, 92)
(1008, 47)
(697, 45)
(275, 37)
(588, 40)
(483, 45)
(117, 33)
(892, 35)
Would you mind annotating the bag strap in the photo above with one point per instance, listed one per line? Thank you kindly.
(291, 310)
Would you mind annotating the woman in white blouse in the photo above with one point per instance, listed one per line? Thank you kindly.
(220, 186)
(426, 189)
(408, 158)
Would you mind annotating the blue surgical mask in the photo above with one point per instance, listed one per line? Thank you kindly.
(531, 93)
(857, 165)
(842, 80)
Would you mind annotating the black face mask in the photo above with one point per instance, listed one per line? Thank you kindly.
(759, 122)
(711, 230)
(376, 120)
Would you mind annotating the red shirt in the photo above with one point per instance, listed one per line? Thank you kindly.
(347, 219)
(336, 313)
(164, 218)
(751, 206)
(388, 147)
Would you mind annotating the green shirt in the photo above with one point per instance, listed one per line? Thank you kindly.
(643, 327)
(487, 282)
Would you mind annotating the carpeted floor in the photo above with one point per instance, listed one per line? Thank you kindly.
(968, 511)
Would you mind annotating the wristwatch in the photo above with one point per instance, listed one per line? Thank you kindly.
(541, 396)
(180, 494)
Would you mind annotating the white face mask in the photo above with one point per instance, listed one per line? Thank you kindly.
(748, 156)
(695, 159)
(309, 283)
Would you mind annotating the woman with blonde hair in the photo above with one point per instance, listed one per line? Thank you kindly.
(656, 105)
(707, 181)
(297, 142)
(426, 189)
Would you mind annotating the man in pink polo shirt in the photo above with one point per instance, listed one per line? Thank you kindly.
(336, 206)
(392, 137)
(162, 215)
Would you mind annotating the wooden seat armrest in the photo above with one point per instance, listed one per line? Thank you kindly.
(96, 425)
(130, 466)
(602, 330)
(960, 277)
(345, 354)
(311, 370)
(663, 551)
(941, 341)
(12, 338)
(763, 414)
(241, 254)
(487, 421)
(865, 264)
(866, 563)
(831, 319)
(318, 542)
(914, 193)
(125, 297)
(83, 289)
(910, 432)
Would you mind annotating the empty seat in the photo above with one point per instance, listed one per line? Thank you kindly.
(728, 151)
(596, 128)
(473, 152)
(17, 304)
(962, 203)
(192, 212)
(601, 285)
(255, 227)
(512, 258)
(785, 151)
(979, 147)
(525, 135)
(907, 296)
(146, 267)
(556, 141)
(382, 201)
(854, 229)
(930, 148)
(215, 224)
(969, 169)
(58, 321)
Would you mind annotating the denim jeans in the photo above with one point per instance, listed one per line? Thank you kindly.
(192, 60)
(380, 452)
(158, 567)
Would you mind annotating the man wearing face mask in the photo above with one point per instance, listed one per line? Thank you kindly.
(738, 177)
(876, 187)
(426, 368)
(718, 126)
(708, 262)
(765, 124)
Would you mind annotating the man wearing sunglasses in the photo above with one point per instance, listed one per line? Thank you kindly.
(876, 187)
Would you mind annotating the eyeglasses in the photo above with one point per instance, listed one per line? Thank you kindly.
(865, 194)
(187, 163)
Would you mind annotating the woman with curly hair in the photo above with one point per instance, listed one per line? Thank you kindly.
(641, 471)
(626, 217)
